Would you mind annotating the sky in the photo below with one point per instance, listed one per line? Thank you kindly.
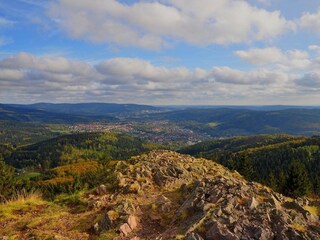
(160, 52)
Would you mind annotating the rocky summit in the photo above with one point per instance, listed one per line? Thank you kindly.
(166, 195)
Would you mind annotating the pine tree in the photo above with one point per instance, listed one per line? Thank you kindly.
(7, 181)
(298, 182)
(246, 168)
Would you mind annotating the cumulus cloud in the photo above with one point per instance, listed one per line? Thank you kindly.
(45, 78)
(310, 80)
(285, 60)
(310, 21)
(154, 24)
(261, 55)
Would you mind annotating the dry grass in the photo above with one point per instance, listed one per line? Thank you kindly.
(298, 227)
(20, 202)
(313, 210)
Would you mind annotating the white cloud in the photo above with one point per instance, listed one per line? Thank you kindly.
(276, 58)
(48, 78)
(314, 48)
(149, 24)
(310, 80)
(311, 21)
(258, 76)
(261, 55)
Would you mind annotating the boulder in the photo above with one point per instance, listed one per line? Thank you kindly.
(125, 229)
(132, 222)
(101, 190)
(194, 236)
(275, 203)
(221, 232)
(253, 203)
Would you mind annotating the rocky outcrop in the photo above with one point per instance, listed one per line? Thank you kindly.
(163, 194)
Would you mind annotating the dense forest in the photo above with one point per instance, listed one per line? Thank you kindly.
(73, 148)
(290, 165)
(68, 163)
(23, 133)
(65, 164)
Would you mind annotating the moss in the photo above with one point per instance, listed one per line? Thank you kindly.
(109, 235)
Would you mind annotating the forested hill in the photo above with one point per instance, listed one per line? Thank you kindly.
(290, 165)
(233, 122)
(89, 109)
(25, 114)
(69, 149)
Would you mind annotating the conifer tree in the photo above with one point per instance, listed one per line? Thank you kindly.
(298, 182)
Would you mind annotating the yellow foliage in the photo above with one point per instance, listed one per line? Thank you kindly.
(57, 180)
(79, 168)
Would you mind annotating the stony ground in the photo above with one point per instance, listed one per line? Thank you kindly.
(166, 195)
(173, 196)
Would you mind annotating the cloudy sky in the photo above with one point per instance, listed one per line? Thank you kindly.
(256, 52)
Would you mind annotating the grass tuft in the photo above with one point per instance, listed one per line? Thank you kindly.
(21, 200)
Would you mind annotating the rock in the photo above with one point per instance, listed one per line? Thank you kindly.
(125, 229)
(245, 188)
(194, 236)
(253, 203)
(135, 238)
(297, 207)
(262, 234)
(275, 203)
(133, 222)
(220, 232)
(228, 209)
(96, 228)
(101, 190)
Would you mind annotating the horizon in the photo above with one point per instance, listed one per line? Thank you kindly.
(159, 105)
(160, 52)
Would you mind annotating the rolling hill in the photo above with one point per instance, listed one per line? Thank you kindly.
(21, 113)
(73, 148)
(232, 122)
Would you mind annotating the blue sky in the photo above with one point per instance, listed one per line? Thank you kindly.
(160, 51)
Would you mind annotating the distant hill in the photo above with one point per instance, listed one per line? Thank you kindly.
(26, 113)
(90, 109)
(22, 133)
(232, 122)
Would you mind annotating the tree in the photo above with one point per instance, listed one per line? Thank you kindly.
(246, 168)
(7, 181)
(298, 182)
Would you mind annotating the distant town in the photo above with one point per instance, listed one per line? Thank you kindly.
(161, 132)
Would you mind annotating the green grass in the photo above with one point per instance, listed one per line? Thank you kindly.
(29, 175)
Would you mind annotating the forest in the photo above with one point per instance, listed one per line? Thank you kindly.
(289, 165)
(65, 164)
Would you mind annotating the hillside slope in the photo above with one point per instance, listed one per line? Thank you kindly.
(74, 148)
(22, 113)
(233, 122)
(288, 164)
(166, 195)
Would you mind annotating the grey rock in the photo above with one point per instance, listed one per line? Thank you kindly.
(194, 236)
(253, 203)
(125, 229)
(221, 232)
